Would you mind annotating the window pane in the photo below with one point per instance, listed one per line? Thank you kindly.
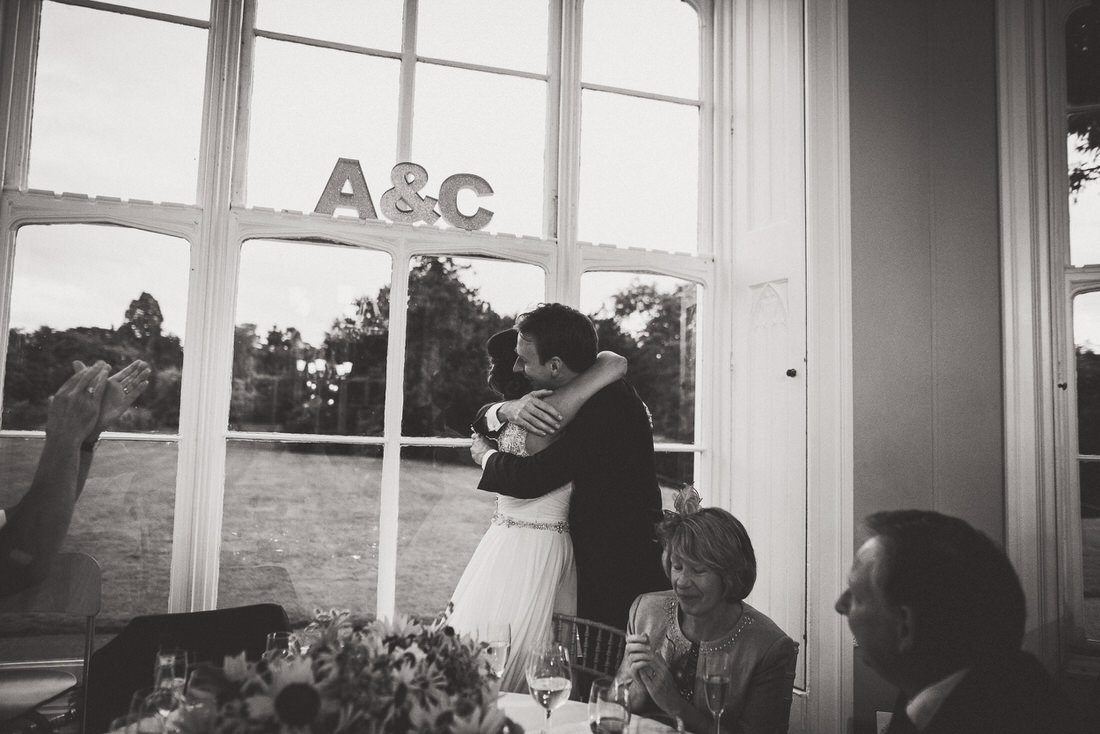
(639, 172)
(648, 45)
(1090, 546)
(650, 320)
(123, 519)
(1086, 332)
(93, 292)
(505, 33)
(1083, 56)
(455, 305)
(311, 106)
(300, 526)
(106, 125)
(309, 353)
(369, 23)
(187, 8)
(1083, 154)
(492, 126)
(443, 516)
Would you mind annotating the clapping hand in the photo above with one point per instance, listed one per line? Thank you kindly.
(75, 406)
(532, 413)
(651, 670)
(123, 388)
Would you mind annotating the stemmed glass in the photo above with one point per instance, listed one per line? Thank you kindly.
(608, 706)
(549, 677)
(281, 645)
(497, 638)
(716, 683)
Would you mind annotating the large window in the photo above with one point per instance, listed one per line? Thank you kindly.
(337, 203)
(1077, 257)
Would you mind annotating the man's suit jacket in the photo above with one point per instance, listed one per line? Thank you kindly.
(1006, 694)
(607, 452)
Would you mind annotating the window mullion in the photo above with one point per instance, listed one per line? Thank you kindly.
(407, 82)
(564, 285)
(205, 396)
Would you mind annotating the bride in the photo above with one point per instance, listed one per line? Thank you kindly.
(522, 571)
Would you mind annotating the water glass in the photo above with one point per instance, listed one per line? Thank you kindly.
(170, 669)
(497, 638)
(549, 677)
(608, 706)
(281, 645)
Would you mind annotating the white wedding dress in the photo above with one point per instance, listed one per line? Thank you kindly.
(522, 570)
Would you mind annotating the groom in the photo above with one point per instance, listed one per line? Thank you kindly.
(607, 452)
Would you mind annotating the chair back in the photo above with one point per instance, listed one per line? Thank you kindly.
(595, 650)
(73, 587)
(127, 661)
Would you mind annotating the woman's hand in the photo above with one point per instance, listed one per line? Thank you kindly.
(123, 388)
(652, 672)
(75, 406)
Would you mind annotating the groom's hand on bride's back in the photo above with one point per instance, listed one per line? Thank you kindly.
(532, 413)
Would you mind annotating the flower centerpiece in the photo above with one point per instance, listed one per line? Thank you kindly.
(375, 677)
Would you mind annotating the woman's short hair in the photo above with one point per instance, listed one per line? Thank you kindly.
(716, 540)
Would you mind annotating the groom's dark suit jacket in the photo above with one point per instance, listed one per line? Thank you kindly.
(607, 452)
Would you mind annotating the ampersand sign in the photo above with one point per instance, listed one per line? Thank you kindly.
(402, 203)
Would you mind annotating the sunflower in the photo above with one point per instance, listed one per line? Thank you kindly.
(291, 697)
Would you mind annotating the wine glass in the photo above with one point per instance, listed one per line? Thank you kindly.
(170, 669)
(716, 683)
(549, 677)
(281, 645)
(150, 708)
(608, 706)
(497, 638)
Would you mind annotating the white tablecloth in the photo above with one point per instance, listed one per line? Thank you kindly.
(569, 718)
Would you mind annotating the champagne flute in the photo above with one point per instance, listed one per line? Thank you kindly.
(549, 677)
(608, 706)
(497, 637)
(716, 683)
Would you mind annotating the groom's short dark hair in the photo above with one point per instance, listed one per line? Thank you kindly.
(560, 331)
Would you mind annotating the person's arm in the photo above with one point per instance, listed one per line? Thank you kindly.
(568, 399)
(37, 525)
(768, 700)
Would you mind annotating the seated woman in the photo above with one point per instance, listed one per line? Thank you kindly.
(710, 560)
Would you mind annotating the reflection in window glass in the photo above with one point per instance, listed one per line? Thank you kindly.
(638, 181)
(650, 320)
(442, 517)
(1086, 329)
(1083, 56)
(123, 519)
(492, 126)
(91, 292)
(106, 125)
(300, 526)
(1083, 156)
(506, 33)
(647, 45)
(369, 23)
(310, 107)
(309, 353)
(455, 305)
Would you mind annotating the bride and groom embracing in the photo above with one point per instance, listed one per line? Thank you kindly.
(577, 494)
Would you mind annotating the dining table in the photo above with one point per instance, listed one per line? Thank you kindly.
(569, 718)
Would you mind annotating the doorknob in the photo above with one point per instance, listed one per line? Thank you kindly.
(792, 372)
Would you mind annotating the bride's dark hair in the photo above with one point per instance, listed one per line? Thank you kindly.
(502, 355)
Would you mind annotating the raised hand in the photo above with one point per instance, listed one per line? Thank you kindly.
(74, 408)
(123, 388)
(532, 413)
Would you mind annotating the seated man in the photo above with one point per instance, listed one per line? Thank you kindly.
(938, 611)
(31, 531)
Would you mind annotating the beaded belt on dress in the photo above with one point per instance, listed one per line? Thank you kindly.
(562, 526)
